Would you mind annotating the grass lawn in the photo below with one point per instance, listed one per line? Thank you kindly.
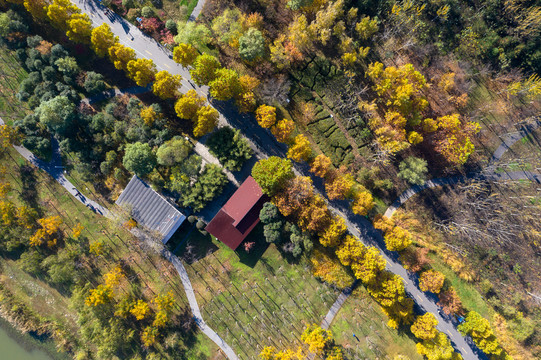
(11, 75)
(254, 300)
(361, 316)
(258, 299)
(148, 273)
(469, 295)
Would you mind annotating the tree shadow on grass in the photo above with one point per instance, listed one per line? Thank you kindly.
(198, 246)
(29, 181)
(252, 257)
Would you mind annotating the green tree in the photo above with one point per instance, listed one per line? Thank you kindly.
(195, 34)
(230, 147)
(225, 85)
(139, 158)
(209, 185)
(67, 66)
(94, 82)
(413, 170)
(297, 4)
(204, 69)
(57, 114)
(269, 213)
(173, 152)
(482, 334)
(251, 45)
(272, 174)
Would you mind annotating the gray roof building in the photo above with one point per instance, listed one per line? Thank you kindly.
(150, 209)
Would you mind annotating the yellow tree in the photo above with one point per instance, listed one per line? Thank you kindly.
(431, 280)
(332, 235)
(226, 84)
(79, 28)
(149, 336)
(316, 338)
(314, 217)
(397, 239)
(142, 71)
(300, 150)
(282, 130)
(438, 348)
(185, 54)
(207, 119)
(113, 278)
(204, 69)
(329, 269)
(77, 231)
(9, 136)
(140, 310)
(7, 211)
(37, 8)
(60, 11)
(101, 39)
(340, 187)
(166, 85)
(369, 266)
(321, 165)
(266, 116)
(149, 115)
(388, 289)
(49, 226)
(26, 216)
(187, 105)
(363, 202)
(245, 98)
(121, 55)
(453, 139)
(424, 327)
(100, 295)
(267, 353)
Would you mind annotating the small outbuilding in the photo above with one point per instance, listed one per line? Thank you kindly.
(240, 214)
(150, 209)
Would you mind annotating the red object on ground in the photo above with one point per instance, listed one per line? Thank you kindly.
(240, 214)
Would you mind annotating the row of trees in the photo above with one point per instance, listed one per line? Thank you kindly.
(316, 340)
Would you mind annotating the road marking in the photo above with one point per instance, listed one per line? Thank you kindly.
(420, 298)
(148, 52)
(167, 66)
(463, 349)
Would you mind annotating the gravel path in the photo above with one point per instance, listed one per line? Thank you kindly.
(55, 169)
(264, 145)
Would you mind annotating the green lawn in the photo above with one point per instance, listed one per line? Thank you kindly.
(469, 295)
(148, 272)
(11, 75)
(259, 299)
(361, 316)
(252, 302)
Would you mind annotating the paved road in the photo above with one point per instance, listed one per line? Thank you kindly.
(55, 169)
(487, 173)
(265, 145)
(197, 10)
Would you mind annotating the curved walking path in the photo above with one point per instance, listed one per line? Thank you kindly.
(195, 307)
(55, 169)
(488, 173)
(508, 140)
(264, 145)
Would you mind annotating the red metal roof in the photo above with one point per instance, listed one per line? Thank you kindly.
(237, 218)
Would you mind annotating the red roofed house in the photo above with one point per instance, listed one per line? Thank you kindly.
(240, 214)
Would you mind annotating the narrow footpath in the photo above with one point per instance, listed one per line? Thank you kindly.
(264, 145)
(55, 169)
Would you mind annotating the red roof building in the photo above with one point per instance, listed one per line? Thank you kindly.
(240, 214)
